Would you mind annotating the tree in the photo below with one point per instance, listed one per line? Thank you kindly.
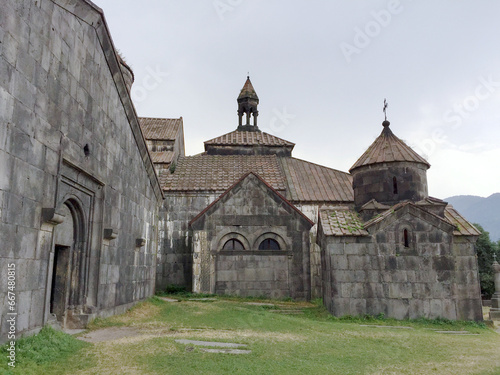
(485, 249)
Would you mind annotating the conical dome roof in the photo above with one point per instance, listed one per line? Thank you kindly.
(248, 91)
(388, 148)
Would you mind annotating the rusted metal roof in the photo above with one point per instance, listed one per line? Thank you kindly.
(388, 148)
(248, 91)
(218, 173)
(160, 128)
(162, 157)
(246, 138)
(462, 226)
(309, 182)
(341, 222)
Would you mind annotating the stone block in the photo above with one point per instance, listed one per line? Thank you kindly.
(449, 310)
(357, 306)
(436, 308)
(398, 308)
(37, 308)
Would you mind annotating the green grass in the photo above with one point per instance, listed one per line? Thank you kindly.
(46, 353)
(312, 342)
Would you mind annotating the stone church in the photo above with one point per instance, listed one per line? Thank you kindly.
(99, 207)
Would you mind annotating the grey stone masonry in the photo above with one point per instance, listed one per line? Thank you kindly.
(72, 160)
(433, 275)
(228, 252)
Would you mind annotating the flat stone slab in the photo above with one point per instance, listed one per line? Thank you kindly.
(210, 343)
(259, 304)
(202, 299)
(289, 312)
(166, 299)
(227, 351)
(377, 326)
(457, 333)
(109, 334)
(73, 331)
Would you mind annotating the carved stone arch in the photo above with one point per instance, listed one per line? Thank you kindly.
(271, 235)
(70, 261)
(223, 238)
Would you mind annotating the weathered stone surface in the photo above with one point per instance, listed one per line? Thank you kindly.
(51, 109)
(385, 277)
(248, 213)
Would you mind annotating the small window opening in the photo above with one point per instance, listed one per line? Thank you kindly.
(269, 244)
(406, 238)
(394, 185)
(86, 150)
(233, 244)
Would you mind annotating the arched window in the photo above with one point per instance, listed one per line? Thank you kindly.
(269, 244)
(394, 185)
(233, 244)
(406, 238)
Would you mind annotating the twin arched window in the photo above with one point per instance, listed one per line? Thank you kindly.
(233, 244)
(267, 244)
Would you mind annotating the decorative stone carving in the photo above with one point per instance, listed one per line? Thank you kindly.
(110, 233)
(50, 216)
(140, 242)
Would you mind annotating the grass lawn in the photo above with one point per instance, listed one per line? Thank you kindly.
(284, 338)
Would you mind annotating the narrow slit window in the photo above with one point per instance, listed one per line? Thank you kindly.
(394, 185)
(406, 238)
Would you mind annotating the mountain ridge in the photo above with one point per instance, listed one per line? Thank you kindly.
(480, 210)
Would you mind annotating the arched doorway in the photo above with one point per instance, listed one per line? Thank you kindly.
(67, 285)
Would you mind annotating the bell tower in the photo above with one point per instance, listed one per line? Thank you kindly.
(247, 105)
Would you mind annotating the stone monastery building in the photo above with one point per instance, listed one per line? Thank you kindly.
(98, 207)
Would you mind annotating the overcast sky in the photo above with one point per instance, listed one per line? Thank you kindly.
(321, 70)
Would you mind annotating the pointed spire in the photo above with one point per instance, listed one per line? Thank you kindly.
(248, 91)
(247, 105)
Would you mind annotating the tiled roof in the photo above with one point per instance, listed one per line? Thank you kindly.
(160, 128)
(246, 138)
(341, 222)
(162, 157)
(372, 204)
(451, 216)
(248, 91)
(463, 227)
(388, 148)
(217, 172)
(312, 183)
(385, 214)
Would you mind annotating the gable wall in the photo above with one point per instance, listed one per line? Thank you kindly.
(435, 277)
(249, 212)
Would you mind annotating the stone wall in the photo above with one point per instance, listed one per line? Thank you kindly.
(251, 212)
(174, 262)
(70, 142)
(377, 182)
(435, 276)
